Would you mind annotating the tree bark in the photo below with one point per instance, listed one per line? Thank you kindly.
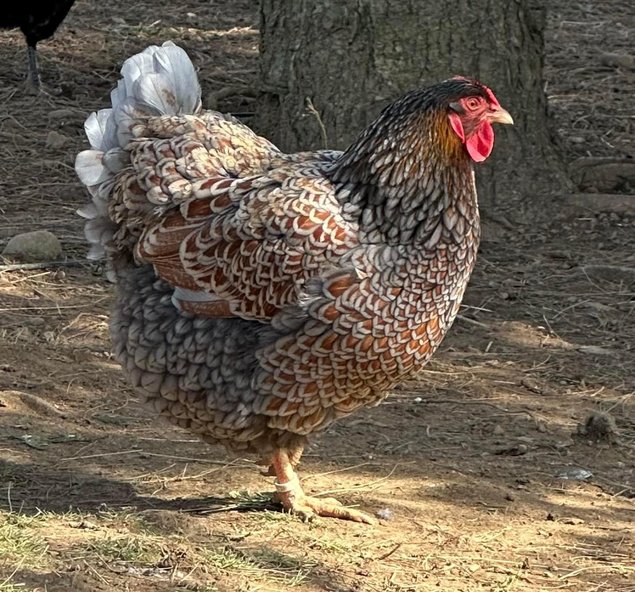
(346, 59)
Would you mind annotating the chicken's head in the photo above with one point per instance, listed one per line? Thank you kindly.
(471, 116)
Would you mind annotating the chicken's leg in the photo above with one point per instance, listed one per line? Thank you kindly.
(289, 493)
(34, 72)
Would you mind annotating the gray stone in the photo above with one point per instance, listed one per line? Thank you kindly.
(38, 245)
(56, 140)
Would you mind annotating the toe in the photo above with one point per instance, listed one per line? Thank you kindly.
(331, 508)
(331, 501)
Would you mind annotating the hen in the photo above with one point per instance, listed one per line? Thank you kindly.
(38, 20)
(261, 295)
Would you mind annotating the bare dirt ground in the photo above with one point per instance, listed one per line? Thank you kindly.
(482, 472)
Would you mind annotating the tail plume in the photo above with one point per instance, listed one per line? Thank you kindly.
(158, 81)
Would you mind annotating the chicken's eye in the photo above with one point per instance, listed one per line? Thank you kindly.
(472, 104)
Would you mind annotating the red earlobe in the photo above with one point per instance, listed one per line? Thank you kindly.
(457, 125)
(480, 144)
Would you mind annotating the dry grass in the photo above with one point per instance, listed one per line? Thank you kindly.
(589, 95)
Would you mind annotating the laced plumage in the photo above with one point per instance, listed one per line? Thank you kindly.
(261, 295)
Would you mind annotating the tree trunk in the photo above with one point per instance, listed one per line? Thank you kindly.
(329, 66)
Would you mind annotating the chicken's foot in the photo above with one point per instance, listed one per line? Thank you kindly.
(293, 499)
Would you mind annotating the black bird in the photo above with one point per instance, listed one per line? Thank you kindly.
(37, 19)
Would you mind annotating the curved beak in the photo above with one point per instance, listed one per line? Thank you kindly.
(500, 115)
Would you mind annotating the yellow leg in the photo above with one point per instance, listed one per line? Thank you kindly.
(289, 493)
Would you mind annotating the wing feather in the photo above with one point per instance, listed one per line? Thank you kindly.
(252, 243)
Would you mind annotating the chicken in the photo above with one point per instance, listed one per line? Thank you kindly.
(38, 20)
(261, 296)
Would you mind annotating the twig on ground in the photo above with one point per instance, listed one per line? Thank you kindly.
(386, 555)
(43, 265)
(473, 322)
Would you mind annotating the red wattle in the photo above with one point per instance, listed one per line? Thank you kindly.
(480, 144)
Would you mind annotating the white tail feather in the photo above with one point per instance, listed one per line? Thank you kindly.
(100, 130)
(90, 167)
(157, 81)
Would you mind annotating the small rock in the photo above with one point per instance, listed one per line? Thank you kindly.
(550, 517)
(533, 385)
(517, 450)
(385, 514)
(574, 474)
(498, 430)
(510, 497)
(84, 524)
(617, 60)
(113, 419)
(49, 336)
(598, 427)
(34, 441)
(55, 140)
(38, 245)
